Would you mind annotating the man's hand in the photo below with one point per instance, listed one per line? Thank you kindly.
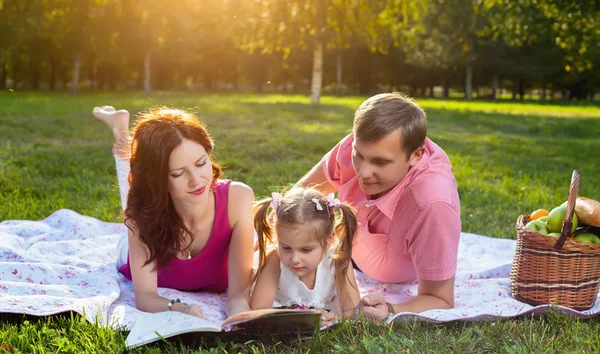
(373, 306)
(432, 295)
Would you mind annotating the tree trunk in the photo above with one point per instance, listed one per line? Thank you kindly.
(339, 72)
(521, 90)
(16, 72)
(431, 93)
(259, 62)
(93, 79)
(494, 86)
(543, 95)
(469, 82)
(36, 80)
(515, 88)
(236, 79)
(52, 75)
(64, 77)
(317, 73)
(76, 70)
(147, 70)
(445, 89)
(2, 76)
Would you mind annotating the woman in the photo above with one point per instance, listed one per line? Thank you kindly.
(187, 229)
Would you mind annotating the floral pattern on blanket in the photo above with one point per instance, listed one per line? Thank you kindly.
(59, 264)
(67, 262)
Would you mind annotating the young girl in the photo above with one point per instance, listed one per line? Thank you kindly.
(310, 263)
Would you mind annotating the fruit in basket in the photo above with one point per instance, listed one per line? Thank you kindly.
(544, 219)
(538, 214)
(556, 218)
(538, 226)
(588, 211)
(554, 234)
(587, 237)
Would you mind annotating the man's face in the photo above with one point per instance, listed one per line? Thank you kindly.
(381, 165)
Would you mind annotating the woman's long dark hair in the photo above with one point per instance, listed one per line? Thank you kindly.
(149, 206)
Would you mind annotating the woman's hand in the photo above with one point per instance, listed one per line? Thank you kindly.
(194, 310)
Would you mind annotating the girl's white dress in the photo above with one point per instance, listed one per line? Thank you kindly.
(293, 292)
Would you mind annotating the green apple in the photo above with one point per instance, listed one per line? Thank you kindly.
(556, 218)
(538, 226)
(587, 237)
(554, 234)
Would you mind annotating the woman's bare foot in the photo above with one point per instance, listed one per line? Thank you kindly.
(118, 121)
(108, 108)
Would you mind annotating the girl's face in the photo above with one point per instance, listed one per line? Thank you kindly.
(299, 249)
(190, 173)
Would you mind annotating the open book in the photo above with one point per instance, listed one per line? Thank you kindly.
(154, 326)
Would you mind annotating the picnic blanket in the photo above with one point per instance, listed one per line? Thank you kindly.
(67, 262)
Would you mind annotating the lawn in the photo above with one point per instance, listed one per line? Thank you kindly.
(508, 158)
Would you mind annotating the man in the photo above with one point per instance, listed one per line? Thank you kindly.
(402, 186)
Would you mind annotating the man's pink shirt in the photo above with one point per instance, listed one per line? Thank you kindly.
(412, 232)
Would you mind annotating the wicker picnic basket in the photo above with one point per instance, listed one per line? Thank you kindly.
(547, 270)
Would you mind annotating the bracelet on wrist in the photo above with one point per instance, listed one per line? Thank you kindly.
(172, 302)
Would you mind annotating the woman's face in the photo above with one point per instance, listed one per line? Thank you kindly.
(190, 173)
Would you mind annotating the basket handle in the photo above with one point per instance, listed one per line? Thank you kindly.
(571, 200)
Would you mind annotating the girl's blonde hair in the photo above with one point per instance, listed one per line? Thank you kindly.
(297, 207)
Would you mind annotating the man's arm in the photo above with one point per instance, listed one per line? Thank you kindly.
(316, 178)
(432, 295)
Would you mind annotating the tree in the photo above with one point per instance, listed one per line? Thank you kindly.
(573, 25)
(318, 25)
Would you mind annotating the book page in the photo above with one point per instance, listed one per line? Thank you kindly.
(166, 324)
(282, 319)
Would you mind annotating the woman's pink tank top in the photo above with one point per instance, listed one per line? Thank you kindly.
(207, 271)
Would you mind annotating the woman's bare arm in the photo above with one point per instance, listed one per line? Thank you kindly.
(241, 248)
(145, 278)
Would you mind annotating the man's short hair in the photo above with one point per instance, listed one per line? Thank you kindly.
(385, 113)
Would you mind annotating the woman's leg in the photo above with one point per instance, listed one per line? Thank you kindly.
(122, 175)
(118, 122)
(122, 251)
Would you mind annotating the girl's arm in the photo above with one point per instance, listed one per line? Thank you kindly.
(241, 248)
(145, 279)
(267, 283)
(351, 296)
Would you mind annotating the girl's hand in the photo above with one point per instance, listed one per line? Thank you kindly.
(194, 310)
(329, 317)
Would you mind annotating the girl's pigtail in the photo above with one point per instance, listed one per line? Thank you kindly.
(264, 230)
(345, 228)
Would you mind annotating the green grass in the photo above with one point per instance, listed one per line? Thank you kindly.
(508, 158)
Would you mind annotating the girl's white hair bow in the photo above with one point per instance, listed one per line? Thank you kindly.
(276, 199)
(317, 204)
(332, 201)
